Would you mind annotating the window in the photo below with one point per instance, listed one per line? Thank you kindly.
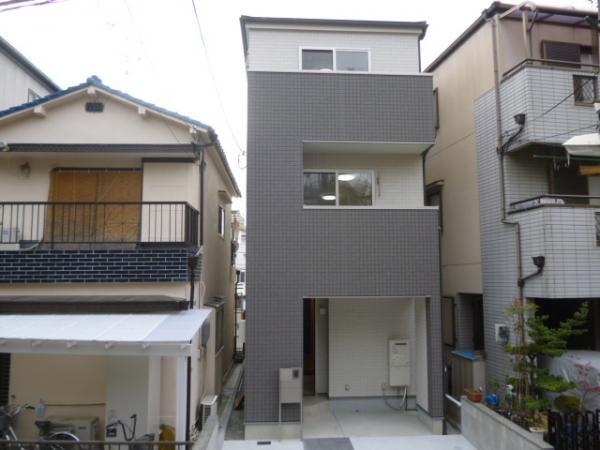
(338, 188)
(221, 222)
(436, 108)
(584, 89)
(335, 60)
(352, 60)
(4, 377)
(32, 95)
(317, 59)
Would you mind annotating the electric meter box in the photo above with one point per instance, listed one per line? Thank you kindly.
(399, 362)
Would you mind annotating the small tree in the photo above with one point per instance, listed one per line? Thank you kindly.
(533, 339)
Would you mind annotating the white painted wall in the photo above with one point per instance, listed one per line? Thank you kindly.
(133, 387)
(278, 49)
(15, 82)
(400, 176)
(359, 330)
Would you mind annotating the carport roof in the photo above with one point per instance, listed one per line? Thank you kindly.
(168, 334)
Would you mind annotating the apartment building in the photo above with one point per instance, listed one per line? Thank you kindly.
(343, 286)
(116, 274)
(519, 214)
(20, 80)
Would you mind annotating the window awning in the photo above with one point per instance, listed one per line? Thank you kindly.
(584, 145)
(168, 334)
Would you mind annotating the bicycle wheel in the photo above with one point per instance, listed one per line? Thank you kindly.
(61, 440)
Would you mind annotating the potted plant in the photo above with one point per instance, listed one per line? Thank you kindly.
(475, 395)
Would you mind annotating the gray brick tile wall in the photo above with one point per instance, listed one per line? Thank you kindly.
(295, 253)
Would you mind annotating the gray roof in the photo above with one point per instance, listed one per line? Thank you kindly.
(27, 65)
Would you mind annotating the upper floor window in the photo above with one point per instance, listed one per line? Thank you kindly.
(338, 188)
(335, 60)
(584, 89)
(221, 222)
(32, 95)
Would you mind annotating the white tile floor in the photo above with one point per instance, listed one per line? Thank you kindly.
(321, 421)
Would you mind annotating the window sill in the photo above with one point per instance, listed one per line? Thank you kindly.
(369, 208)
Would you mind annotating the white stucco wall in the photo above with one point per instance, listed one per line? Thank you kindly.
(279, 49)
(400, 176)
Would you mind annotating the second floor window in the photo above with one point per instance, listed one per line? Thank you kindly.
(335, 60)
(221, 222)
(584, 89)
(338, 188)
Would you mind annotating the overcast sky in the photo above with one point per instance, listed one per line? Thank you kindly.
(152, 48)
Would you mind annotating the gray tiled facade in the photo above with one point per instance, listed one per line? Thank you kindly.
(294, 253)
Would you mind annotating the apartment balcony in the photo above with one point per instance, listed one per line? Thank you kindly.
(566, 231)
(556, 98)
(96, 241)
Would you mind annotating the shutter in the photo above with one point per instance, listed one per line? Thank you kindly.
(562, 51)
(4, 377)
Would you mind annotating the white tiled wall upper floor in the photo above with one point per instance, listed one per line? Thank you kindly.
(390, 52)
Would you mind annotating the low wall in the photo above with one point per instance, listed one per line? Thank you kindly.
(488, 430)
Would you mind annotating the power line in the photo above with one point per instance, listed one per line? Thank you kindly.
(216, 87)
(553, 107)
(9, 5)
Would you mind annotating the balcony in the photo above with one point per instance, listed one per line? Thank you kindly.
(555, 97)
(566, 230)
(67, 242)
(106, 224)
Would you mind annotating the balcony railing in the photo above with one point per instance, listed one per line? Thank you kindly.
(137, 444)
(569, 65)
(580, 201)
(98, 223)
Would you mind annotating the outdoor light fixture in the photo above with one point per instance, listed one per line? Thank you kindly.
(328, 197)
(346, 177)
(25, 169)
(520, 119)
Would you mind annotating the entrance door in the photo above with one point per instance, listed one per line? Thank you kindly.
(309, 346)
(92, 212)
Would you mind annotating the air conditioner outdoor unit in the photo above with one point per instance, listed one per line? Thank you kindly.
(85, 428)
(9, 239)
(209, 407)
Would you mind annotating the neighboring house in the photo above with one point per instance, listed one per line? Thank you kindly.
(239, 227)
(507, 190)
(117, 282)
(342, 253)
(20, 80)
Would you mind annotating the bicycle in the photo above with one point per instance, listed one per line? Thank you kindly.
(48, 439)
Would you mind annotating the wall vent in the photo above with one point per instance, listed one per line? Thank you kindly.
(94, 107)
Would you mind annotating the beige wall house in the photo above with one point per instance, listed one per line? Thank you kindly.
(509, 92)
(117, 282)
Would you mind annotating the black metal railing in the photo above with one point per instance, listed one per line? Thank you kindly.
(574, 431)
(95, 445)
(588, 201)
(98, 222)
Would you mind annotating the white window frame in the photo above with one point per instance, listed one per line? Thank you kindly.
(337, 194)
(334, 51)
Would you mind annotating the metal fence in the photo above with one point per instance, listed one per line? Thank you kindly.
(574, 431)
(94, 445)
(98, 222)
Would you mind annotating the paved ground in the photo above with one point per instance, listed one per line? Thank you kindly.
(448, 442)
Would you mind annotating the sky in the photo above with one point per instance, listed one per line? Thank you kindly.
(152, 49)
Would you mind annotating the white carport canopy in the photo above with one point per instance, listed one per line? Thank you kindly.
(167, 334)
